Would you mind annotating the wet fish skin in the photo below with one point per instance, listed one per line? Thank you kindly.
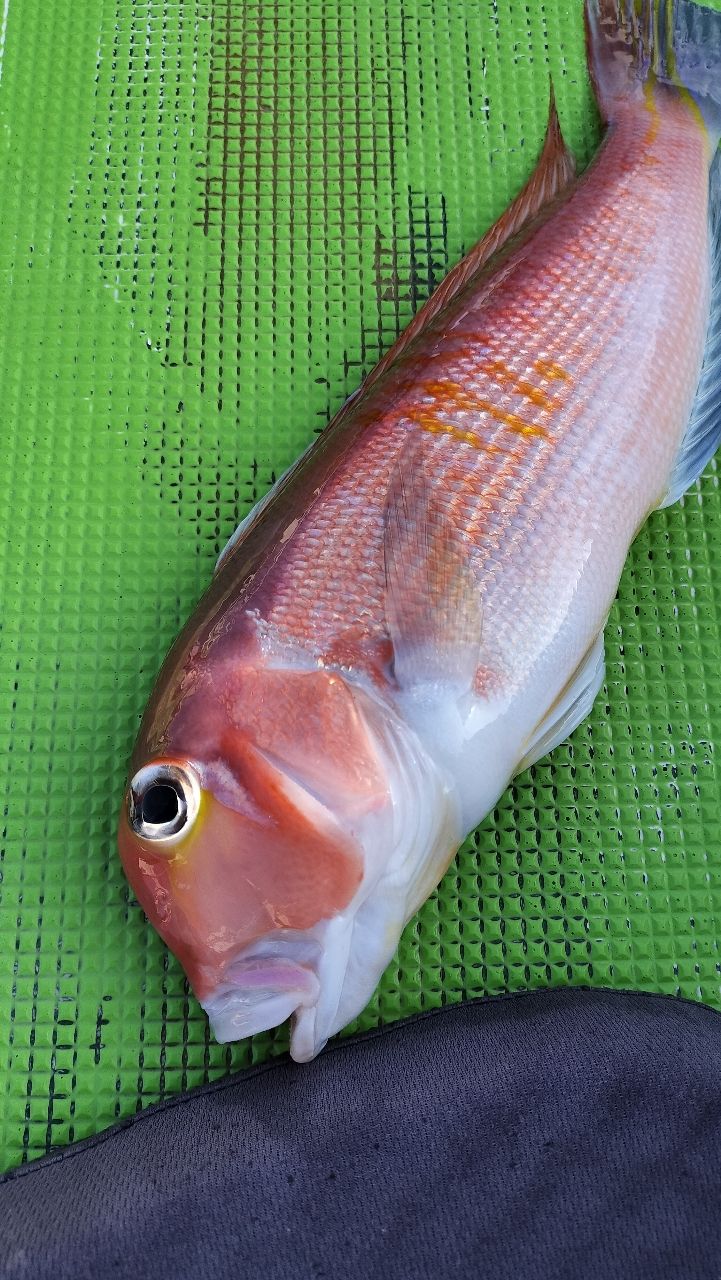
(417, 612)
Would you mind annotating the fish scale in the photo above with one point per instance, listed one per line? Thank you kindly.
(416, 612)
(569, 461)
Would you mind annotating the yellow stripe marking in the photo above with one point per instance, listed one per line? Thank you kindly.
(653, 111)
(435, 428)
(549, 369)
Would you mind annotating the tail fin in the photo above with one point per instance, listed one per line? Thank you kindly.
(675, 42)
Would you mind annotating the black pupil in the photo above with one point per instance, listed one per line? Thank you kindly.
(160, 804)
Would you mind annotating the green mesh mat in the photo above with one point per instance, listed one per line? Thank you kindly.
(213, 219)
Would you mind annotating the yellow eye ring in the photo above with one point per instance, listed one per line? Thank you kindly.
(163, 801)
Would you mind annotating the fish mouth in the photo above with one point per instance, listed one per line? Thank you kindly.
(259, 992)
(288, 974)
(285, 975)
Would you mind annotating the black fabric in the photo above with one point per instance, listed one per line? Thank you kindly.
(562, 1135)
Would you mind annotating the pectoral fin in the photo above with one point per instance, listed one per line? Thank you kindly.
(433, 604)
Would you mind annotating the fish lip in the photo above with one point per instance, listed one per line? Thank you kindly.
(271, 973)
(259, 991)
(232, 1018)
(288, 974)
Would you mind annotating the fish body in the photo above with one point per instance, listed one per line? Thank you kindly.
(416, 612)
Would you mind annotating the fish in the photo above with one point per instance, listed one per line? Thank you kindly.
(414, 614)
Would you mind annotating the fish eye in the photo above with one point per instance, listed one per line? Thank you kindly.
(163, 801)
(160, 805)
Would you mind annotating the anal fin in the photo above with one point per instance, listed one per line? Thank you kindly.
(703, 433)
(571, 706)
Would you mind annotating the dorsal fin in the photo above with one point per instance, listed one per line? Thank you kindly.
(556, 168)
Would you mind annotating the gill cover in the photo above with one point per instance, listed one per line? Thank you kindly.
(286, 774)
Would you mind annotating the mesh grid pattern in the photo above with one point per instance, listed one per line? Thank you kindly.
(214, 219)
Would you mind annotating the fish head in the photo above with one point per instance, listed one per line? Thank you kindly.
(258, 830)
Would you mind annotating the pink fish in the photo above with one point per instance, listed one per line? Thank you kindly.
(415, 613)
